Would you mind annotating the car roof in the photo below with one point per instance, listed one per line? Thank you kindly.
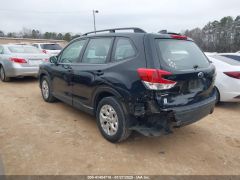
(132, 35)
(45, 43)
(20, 45)
(114, 32)
(223, 60)
(235, 54)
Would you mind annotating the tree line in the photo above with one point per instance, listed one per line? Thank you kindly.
(215, 36)
(218, 36)
(36, 34)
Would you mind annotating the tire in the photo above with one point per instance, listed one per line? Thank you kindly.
(46, 90)
(217, 96)
(116, 131)
(3, 76)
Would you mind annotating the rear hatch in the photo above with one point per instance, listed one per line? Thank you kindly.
(51, 49)
(32, 60)
(188, 73)
(27, 56)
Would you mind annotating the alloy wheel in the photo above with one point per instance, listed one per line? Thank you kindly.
(45, 89)
(108, 120)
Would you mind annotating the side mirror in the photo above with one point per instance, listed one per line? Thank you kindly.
(53, 59)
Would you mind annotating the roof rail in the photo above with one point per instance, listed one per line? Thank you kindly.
(135, 30)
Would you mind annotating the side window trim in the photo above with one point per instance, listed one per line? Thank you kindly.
(80, 55)
(115, 47)
(108, 59)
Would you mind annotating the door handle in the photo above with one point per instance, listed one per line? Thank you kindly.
(99, 73)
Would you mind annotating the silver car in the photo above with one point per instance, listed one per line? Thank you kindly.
(20, 60)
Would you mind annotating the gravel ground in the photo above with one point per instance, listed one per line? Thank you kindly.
(37, 138)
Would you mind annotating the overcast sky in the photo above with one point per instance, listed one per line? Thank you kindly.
(76, 15)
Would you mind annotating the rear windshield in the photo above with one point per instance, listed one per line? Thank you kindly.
(24, 49)
(180, 54)
(51, 46)
(234, 57)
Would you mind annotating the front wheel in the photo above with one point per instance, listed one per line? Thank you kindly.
(111, 120)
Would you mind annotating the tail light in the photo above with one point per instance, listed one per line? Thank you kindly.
(235, 74)
(174, 36)
(154, 79)
(18, 60)
(44, 51)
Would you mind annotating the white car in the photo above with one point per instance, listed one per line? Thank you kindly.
(51, 49)
(228, 76)
(234, 56)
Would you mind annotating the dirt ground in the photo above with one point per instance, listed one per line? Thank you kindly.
(37, 138)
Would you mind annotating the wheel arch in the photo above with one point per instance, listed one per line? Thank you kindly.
(41, 75)
(2, 64)
(218, 93)
(103, 92)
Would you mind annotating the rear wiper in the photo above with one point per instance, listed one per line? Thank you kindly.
(195, 67)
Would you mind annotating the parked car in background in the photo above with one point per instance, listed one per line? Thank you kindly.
(234, 56)
(52, 49)
(20, 60)
(228, 76)
(132, 81)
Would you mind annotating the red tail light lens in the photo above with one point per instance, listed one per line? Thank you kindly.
(233, 74)
(18, 60)
(174, 36)
(154, 79)
(44, 51)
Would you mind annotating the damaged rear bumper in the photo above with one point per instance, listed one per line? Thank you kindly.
(167, 119)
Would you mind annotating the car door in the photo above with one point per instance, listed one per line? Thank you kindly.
(88, 74)
(62, 72)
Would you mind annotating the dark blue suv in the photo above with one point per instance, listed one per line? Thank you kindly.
(139, 81)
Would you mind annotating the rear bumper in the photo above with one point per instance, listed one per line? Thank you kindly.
(164, 121)
(230, 96)
(23, 71)
(189, 114)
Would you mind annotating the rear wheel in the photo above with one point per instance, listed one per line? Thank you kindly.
(111, 120)
(3, 76)
(46, 90)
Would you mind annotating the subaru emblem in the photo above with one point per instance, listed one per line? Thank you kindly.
(200, 74)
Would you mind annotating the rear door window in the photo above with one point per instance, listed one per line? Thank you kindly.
(123, 50)
(180, 54)
(97, 51)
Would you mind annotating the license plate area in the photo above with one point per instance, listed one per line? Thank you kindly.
(195, 84)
